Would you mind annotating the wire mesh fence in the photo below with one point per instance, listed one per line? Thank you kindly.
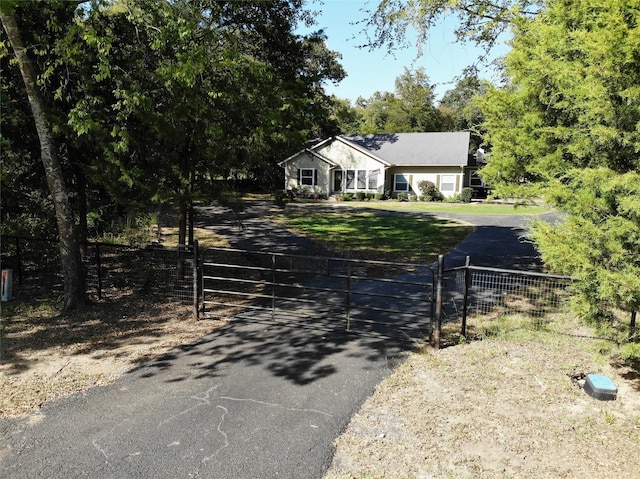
(110, 270)
(474, 291)
(35, 263)
(504, 293)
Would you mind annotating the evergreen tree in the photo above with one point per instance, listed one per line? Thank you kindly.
(568, 128)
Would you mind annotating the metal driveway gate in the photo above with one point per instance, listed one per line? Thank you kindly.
(365, 297)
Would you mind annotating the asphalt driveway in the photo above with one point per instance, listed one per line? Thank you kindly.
(255, 399)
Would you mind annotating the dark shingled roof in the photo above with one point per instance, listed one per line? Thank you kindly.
(416, 149)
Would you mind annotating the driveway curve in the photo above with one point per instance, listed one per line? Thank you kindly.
(254, 399)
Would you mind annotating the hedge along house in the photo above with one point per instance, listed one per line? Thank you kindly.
(392, 163)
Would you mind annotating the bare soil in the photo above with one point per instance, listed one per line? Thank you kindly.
(48, 356)
(506, 405)
(509, 406)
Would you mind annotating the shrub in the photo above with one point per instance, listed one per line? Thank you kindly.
(413, 198)
(346, 197)
(429, 192)
(360, 196)
(280, 198)
(402, 197)
(630, 353)
(379, 196)
(427, 188)
(466, 194)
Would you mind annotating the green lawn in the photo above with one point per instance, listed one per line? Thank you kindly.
(377, 236)
(443, 207)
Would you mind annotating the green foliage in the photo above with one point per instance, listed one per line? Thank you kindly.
(630, 353)
(154, 102)
(466, 194)
(568, 127)
(410, 109)
(460, 111)
(346, 197)
(599, 242)
(481, 21)
(280, 198)
(402, 196)
(429, 191)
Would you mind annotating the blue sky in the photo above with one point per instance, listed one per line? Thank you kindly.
(369, 71)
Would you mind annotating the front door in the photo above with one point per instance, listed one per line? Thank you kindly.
(337, 180)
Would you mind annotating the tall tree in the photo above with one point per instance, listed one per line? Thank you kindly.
(459, 110)
(73, 278)
(568, 127)
(480, 21)
(410, 109)
(148, 97)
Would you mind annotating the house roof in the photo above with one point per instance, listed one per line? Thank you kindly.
(403, 149)
(312, 153)
(416, 149)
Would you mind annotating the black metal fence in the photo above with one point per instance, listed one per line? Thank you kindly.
(111, 270)
(366, 297)
(472, 291)
(226, 282)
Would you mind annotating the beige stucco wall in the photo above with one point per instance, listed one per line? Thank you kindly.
(432, 174)
(303, 161)
(348, 158)
(351, 159)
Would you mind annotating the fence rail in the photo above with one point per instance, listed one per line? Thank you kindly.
(110, 270)
(362, 294)
(372, 296)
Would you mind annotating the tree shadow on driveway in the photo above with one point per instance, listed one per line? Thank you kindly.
(299, 353)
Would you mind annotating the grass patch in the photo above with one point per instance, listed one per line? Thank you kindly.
(383, 237)
(464, 208)
(206, 238)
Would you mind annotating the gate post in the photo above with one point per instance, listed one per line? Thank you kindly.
(465, 304)
(196, 291)
(439, 281)
(348, 296)
(273, 287)
(19, 259)
(99, 270)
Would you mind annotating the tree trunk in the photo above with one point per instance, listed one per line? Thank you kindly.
(74, 288)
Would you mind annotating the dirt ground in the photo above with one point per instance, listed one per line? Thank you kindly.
(508, 406)
(47, 356)
(503, 405)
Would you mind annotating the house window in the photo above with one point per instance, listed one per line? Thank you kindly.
(308, 177)
(351, 179)
(475, 180)
(400, 183)
(448, 183)
(361, 179)
(373, 179)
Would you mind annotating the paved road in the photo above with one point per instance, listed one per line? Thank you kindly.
(252, 400)
(499, 241)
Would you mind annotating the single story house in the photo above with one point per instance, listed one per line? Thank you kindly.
(393, 163)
